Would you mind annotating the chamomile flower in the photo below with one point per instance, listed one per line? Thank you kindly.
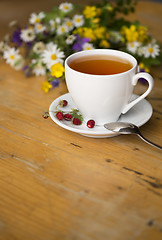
(39, 47)
(39, 69)
(70, 39)
(28, 35)
(52, 56)
(50, 46)
(39, 28)
(69, 23)
(115, 37)
(151, 50)
(36, 18)
(133, 46)
(140, 51)
(66, 7)
(78, 20)
(10, 55)
(18, 62)
(58, 20)
(52, 24)
(87, 46)
(62, 29)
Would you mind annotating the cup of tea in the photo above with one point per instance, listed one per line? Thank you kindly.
(101, 83)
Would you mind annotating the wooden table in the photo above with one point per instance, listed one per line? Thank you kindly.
(59, 185)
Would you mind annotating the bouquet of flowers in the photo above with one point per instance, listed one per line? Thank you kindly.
(41, 47)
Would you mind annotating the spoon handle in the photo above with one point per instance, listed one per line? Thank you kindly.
(148, 141)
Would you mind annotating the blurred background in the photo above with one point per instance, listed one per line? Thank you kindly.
(20, 10)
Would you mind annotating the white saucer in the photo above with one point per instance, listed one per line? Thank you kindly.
(138, 115)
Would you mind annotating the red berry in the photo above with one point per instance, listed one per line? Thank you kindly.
(64, 103)
(45, 115)
(68, 116)
(60, 115)
(90, 123)
(76, 121)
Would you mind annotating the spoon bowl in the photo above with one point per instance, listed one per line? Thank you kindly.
(128, 128)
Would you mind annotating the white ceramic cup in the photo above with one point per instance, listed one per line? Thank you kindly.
(104, 97)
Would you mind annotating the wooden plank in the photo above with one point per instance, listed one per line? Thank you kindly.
(55, 184)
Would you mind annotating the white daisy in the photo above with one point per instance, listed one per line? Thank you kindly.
(52, 56)
(27, 35)
(87, 46)
(66, 7)
(39, 47)
(133, 46)
(78, 20)
(70, 39)
(151, 50)
(10, 55)
(13, 57)
(36, 18)
(69, 23)
(52, 25)
(39, 69)
(50, 46)
(39, 28)
(18, 62)
(115, 36)
(58, 20)
(140, 51)
(62, 29)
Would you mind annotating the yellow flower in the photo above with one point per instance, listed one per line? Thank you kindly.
(142, 31)
(46, 86)
(88, 33)
(85, 33)
(90, 11)
(79, 31)
(131, 33)
(135, 33)
(104, 44)
(100, 32)
(142, 66)
(95, 20)
(57, 70)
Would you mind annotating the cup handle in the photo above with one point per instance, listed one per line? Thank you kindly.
(136, 77)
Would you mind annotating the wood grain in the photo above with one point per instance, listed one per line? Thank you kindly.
(58, 185)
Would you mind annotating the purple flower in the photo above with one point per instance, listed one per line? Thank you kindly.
(55, 83)
(45, 33)
(142, 80)
(27, 70)
(79, 43)
(16, 37)
(29, 45)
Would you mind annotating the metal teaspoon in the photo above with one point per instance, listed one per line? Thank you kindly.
(128, 128)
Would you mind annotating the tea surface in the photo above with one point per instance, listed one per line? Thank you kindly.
(100, 65)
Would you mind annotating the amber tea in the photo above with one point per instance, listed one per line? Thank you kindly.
(100, 65)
